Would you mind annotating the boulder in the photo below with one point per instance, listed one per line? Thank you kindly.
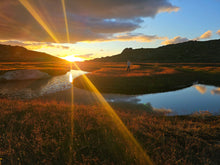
(25, 74)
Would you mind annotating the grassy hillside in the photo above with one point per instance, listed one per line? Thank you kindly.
(187, 52)
(19, 54)
(16, 57)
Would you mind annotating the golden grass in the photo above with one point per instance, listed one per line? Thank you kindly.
(52, 68)
(147, 77)
(36, 132)
(118, 69)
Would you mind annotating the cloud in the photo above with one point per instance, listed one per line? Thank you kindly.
(122, 9)
(136, 37)
(85, 55)
(218, 32)
(33, 45)
(111, 25)
(175, 40)
(13, 43)
(87, 20)
(179, 39)
(61, 46)
(205, 35)
(65, 47)
(26, 44)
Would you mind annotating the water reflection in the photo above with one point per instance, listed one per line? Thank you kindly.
(70, 77)
(186, 101)
(215, 91)
(181, 102)
(200, 88)
(34, 88)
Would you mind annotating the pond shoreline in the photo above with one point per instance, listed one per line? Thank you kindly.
(58, 89)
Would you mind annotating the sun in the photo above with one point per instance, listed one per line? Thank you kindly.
(72, 58)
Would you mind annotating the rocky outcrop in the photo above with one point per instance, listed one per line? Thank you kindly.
(24, 75)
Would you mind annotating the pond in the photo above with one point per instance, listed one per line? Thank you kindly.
(186, 101)
(198, 97)
(192, 99)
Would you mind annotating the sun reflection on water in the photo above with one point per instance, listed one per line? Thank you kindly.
(70, 77)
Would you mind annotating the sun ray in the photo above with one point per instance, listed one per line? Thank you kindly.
(72, 92)
(140, 154)
(72, 120)
(37, 17)
(65, 18)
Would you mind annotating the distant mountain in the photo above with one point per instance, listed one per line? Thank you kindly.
(187, 52)
(19, 54)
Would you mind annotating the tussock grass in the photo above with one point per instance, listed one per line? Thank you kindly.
(37, 132)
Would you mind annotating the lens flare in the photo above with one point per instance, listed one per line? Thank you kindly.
(65, 18)
(37, 17)
(72, 122)
(134, 146)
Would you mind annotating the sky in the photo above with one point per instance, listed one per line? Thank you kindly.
(88, 29)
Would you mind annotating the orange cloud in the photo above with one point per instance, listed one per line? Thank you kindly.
(179, 39)
(175, 40)
(136, 37)
(33, 45)
(205, 35)
(169, 9)
(218, 32)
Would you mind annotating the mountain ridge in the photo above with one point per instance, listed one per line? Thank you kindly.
(10, 53)
(187, 52)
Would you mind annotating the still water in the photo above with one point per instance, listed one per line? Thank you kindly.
(189, 100)
(186, 101)
(29, 89)
(198, 97)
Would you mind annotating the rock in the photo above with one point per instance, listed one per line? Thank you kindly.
(24, 75)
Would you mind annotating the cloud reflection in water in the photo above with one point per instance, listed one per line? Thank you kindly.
(200, 88)
(215, 91)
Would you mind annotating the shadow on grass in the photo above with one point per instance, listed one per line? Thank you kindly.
(148, 84)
